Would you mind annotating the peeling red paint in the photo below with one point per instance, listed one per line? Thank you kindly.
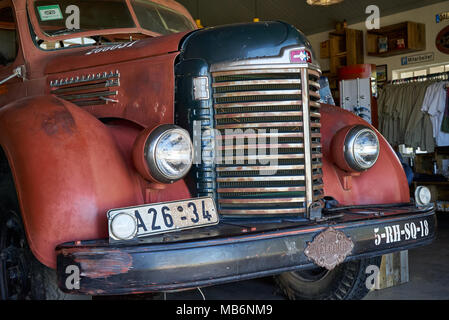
(103, 266)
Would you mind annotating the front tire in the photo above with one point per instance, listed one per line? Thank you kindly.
(22, 276)
(346, 282)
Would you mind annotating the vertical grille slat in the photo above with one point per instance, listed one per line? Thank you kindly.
(256, 102)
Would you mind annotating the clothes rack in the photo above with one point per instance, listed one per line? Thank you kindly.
(441, 76)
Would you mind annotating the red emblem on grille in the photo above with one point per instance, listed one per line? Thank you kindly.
(300, 56)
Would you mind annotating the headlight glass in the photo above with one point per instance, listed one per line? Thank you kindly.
(361, 148)
(173, 153)
(366, 149)
(422, 196)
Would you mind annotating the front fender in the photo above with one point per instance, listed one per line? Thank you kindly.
(69, 169)
(384, 183)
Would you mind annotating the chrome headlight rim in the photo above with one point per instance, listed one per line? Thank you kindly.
(349, 152)
(151, 145)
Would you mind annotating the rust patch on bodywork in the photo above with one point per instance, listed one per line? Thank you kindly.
(58, 122)
(103, 266)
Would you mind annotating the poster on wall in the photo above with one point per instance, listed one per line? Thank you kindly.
(381, 74)
(442, 40)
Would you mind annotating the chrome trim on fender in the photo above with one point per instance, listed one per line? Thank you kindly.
(85, 90)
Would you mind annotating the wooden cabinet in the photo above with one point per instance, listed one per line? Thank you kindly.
(345, 48)
(438, 184)
(424, 162)
(398, 39)
(324, 49)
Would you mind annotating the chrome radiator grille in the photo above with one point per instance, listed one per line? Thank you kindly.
(280, 106)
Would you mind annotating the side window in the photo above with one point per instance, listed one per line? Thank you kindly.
(8, 35)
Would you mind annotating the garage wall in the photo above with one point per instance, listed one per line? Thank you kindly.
(424, 15)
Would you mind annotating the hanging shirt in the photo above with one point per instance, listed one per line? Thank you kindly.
(419, 129)
(401, 120)
(434, 104)
(445, 123)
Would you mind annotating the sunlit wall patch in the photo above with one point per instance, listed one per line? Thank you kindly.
(300, 56)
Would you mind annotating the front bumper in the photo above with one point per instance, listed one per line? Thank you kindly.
(233, 251)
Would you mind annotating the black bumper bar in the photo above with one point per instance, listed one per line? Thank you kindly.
(226, 253)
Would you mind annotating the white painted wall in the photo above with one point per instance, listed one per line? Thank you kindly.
(424, 15)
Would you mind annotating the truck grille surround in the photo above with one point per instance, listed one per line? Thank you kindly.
(258, 111)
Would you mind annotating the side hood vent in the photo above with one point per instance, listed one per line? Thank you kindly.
(86, 90)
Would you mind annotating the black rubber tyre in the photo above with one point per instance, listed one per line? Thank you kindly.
(346, 282)
(22, 276)
(44, 284)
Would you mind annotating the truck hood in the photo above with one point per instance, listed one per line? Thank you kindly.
(68, 60)
(242, 41)
(216, 44)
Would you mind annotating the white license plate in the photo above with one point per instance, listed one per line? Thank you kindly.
(145, 220)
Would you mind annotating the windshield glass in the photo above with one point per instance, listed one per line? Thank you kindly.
(160, 19)
(60, 17)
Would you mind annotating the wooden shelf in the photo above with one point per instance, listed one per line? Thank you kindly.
(341, 54)
(340, 33)
(411, 33)
(391, 53)
(441, 183)
(345, 48)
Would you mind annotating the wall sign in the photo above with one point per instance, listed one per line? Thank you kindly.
(442, 16)
(442, 40)
(417, 58)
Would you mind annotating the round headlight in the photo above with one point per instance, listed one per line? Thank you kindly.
(361, 148)
(422, 196)
(169, 153)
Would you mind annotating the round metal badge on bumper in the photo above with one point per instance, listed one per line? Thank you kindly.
(329, 248)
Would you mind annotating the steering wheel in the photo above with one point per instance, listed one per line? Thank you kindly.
(40, 41)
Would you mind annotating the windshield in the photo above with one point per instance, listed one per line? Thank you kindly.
(159, 19)
(67, 17)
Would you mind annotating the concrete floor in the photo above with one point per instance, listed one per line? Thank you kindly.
(428, 271)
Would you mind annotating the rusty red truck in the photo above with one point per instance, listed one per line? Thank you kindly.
(142, 154)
